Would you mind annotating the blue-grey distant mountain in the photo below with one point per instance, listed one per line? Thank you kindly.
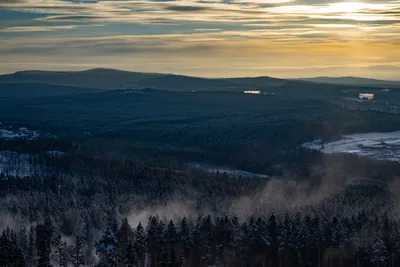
(49, 83)
(109, 79)
(349, 80)
(28, 90)
(93, 78)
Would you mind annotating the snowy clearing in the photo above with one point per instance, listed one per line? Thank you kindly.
(15, 164)
(381, 146)
(228, 171)
(10, 133)
(23, 164)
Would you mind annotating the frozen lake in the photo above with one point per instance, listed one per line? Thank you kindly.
(382, 146)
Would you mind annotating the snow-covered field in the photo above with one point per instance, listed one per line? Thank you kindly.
(382, 146)
(15, 164)
(17, 133)
(22, 164)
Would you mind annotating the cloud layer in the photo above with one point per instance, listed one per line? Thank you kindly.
(284, 38)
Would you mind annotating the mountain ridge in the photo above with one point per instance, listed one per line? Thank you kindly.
(109, 79)
(112, 79)
(351, 80)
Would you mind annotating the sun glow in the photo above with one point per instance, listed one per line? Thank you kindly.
(349, 7)
(333, 8)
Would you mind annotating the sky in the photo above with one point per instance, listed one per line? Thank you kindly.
(207, 38)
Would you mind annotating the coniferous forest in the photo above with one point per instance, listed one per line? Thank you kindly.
(85, 209)
(151, 178)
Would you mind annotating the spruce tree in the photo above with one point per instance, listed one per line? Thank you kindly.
(44, 236)
(106, 249)
(10, 254)
(140, 245)
(77, 253)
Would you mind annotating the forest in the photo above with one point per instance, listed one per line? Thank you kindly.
(289, 240)
(195, 178)
(82, 207)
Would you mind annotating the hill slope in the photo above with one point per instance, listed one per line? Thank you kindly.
(116, 79)
(353, 81)
(111, 79)
(94, 78)
(31, 90)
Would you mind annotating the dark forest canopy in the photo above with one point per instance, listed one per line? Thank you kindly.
(166, 178)
(289, 240)
(112, 210)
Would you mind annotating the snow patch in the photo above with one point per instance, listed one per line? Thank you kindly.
(228, 171)
(18, 133)
(15, 164)
(381, 146)
(55, 153)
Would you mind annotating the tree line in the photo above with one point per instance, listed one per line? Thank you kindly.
(296, 240)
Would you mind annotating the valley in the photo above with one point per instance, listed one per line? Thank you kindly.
(88, 162)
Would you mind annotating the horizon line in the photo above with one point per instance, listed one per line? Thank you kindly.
(195, 76)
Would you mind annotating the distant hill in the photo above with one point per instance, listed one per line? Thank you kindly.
(29, 90)
(349, 80)
(93, 78)
(109, 79)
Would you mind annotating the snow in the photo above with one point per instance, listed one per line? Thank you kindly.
(22, 165)
(19, 133)
(381, 146)
(228, 171)
(15, 164)
(55, 153)
(130, 91)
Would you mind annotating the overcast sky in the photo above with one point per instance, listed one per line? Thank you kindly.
(211, 38)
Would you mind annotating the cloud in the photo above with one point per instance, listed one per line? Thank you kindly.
(46, 28)
(288, 33)
(186, 8)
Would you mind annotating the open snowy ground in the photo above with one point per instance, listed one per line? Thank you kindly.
(9, 132)
(22, 164)
(228, 171)
(382, 146)
(15, 164)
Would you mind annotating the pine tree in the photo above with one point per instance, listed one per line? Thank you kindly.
(185, 240)
(90, 242)
(153, 240)
(379, 254)
(130, 257)
(106, 249)
(124, 237)
(31, 250)
(44, 236)
(171, 240)
(10, 254)
(140, 245)
(58, 252)
(77, 255)
(273, 234)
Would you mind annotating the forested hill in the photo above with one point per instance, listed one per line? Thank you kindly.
(115, 79)
(12, 91)
(110, 79)
(353, 81)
